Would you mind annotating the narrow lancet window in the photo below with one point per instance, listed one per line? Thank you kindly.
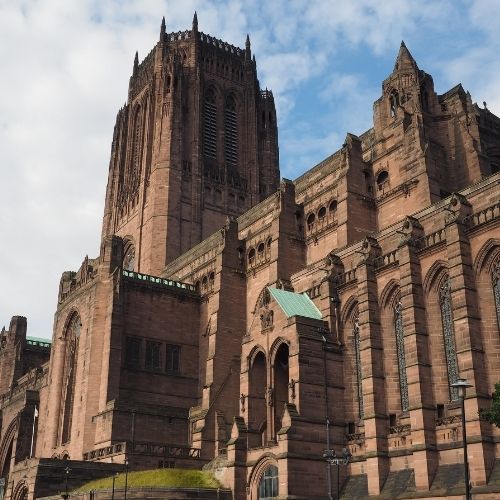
(72, 337)
(137, 143)
(231, 132)
(357, 352)
(449, 335)
(210, 125)
(400, 352)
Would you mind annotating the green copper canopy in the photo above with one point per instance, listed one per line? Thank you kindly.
(295, 304)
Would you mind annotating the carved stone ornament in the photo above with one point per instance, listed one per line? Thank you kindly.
(370, 249)
(458, 209)
(291, 386)
(269, 396)
(410, 231)
(266, 318)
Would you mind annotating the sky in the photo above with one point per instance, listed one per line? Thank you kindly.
(64, 71)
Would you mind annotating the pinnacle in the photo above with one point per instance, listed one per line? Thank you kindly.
(162, 30)
(195, 21)
(136, 61)
(248, 52)
(405, 59)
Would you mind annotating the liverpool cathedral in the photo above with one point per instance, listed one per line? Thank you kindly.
(244, 324)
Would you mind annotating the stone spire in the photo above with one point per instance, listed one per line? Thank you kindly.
(195, 22)
(136, 62)
(162, 29)
(405, 60)
(248, 52)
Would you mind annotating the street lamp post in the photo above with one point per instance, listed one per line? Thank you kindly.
(331, 457)
(115, 475)
(126, 477)
(461, 385)
(66, 494)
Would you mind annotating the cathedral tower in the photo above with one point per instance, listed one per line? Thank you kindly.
(196, 141)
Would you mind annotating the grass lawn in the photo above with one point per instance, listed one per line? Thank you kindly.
(173, 478)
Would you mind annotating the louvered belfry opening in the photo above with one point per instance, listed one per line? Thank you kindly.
(231, 132)
(210, 125)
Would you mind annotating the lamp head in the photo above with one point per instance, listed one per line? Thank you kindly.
(461, 385)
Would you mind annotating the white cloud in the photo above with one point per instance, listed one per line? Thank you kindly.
(65, 71)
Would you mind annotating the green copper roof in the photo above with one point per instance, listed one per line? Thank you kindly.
(38, 339)
(295, 304)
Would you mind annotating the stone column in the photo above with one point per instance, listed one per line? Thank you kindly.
(468, 338)
(372, 369)
(418, 369)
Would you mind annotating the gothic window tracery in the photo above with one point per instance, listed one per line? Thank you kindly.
(72, 337)
(210, 125)
(231, 131)
(400, 352)
(448, 335)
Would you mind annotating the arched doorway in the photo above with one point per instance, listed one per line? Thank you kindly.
(257, 412)
(6, 452)
(21, 491)
(280, 384)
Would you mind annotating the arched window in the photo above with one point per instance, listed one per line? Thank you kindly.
(357, 354)
(204, 284)
(496, 288)
(251, 257)
(394, 100)
(368, 182)
(211, 280)
(269, 484)
(210, 125)
(257, 410)
(137, 142)
(71, 337)
(281, 379)
(383, 180)
(332, 209)
(310, 221)
(400, 352)
(322, 213)
(218, 196)
(448, 335)
(129, 258)
(260, 251)
(231, 132)
(298, 221)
